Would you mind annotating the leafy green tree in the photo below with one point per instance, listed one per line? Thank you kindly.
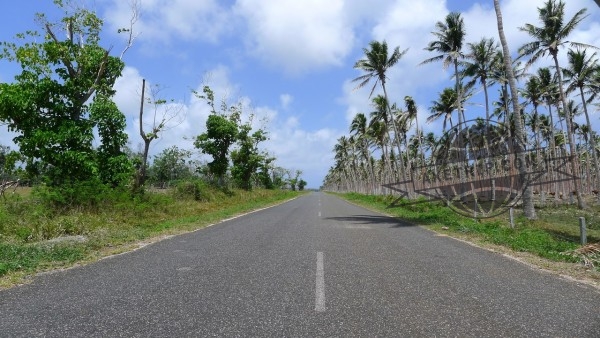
(293, 181)
(247, 158)
(8, 163)
(301, 185)
(62, 93)
(266, 172)
(221, 133)
(114, 166)
(171, 164)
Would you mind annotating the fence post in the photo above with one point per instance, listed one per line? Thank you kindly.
(582, 231)
(511, 212)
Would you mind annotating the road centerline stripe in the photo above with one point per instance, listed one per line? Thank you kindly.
(320, 284)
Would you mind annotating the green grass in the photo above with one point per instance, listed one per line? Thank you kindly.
(554, 232)
(27, 224)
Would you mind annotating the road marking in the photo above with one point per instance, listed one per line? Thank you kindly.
(319, 214)
(320, 285)
(364, 227)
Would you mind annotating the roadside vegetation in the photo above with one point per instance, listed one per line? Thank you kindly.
(35, 236)
(71, 187)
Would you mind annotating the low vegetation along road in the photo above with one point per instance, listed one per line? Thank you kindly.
(314, 266)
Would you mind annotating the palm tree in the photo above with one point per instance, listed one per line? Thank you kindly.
(480, 62)
(381, 114)
(376, 64)
(549, 87)
(547, 39)
(579, 74)
(378, 131)
(450, 36)
(444, 107)
(359, 127)
(533, 93)
(342, 156)
(528, 207)
(412, 114)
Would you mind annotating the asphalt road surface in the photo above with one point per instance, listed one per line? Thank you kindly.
(312, 267)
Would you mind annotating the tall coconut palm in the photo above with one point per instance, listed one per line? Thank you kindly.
(412, 113)
(548, 38)
(359, 127)
(450, 36)
(381, 114)
(378, 132)
(376, 64)
(528, 207)
(533, 93)
(579, 75)
(444, 107)
(480, 62)
(342, 150)
(549, 87)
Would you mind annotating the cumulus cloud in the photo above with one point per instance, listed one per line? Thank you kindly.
(294, 147)
(294, 36)
(165, 20)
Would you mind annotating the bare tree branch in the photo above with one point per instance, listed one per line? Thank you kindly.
(135, 6)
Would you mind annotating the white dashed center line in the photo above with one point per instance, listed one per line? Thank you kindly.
(320, 285)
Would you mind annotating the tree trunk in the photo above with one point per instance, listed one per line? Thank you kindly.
(572, 149)
(592, 141)
(528, 207)
(396, 133)
(141, 177)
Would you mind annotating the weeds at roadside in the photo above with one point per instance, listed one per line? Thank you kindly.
(28, 223)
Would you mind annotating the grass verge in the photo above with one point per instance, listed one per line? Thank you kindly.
(34, 239)
(553, 234)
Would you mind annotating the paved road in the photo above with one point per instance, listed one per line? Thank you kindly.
(313, 267)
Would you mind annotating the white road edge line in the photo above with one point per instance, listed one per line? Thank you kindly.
(320, 285)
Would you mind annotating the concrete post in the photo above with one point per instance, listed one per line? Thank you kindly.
(582, 231)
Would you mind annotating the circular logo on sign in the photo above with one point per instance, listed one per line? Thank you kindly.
(476, 169)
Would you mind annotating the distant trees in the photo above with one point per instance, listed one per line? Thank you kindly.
(172, 164)
(234, 147)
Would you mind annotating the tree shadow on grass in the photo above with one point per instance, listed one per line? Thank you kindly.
(372, 220)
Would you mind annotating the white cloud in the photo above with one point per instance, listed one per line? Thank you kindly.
(296, 36)
(166, 20)
(286, 100)
(293, 146)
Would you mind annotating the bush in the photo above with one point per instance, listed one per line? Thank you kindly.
(87, 194)
(196, 189)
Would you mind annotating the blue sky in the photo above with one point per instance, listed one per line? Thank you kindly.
(289, 61)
